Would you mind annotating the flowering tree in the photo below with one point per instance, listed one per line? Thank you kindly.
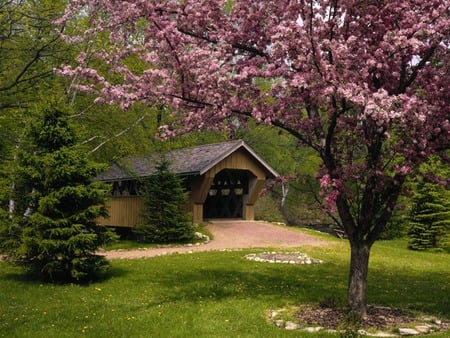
(364, 83)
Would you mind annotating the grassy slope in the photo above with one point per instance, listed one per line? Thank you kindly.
(216, 294)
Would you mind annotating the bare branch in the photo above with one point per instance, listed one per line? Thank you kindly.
(119, 134)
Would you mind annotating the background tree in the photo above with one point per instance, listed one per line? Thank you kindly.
(296, 201)
(429, 219)
(165, 221)
(30, 47)
(59, 236)
(363, 84)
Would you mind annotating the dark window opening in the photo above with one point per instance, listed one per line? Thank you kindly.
(125, 188)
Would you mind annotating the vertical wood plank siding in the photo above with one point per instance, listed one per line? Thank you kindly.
(123, 211)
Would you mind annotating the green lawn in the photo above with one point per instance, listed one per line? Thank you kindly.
(215, 294)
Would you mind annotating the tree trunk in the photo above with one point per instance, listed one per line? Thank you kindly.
(284, 190)
(357, 283)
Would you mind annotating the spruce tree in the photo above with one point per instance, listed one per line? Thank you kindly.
(429, 219)
(165, 221)
(59, 236)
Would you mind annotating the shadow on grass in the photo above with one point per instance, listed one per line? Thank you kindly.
(18, 274)
(276, 284)
(424, 291)
(427, 292)
(217, 277)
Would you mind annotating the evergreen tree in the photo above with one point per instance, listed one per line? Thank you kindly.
(430, 217)
(59, 236)
(165, 221)
(430, 212)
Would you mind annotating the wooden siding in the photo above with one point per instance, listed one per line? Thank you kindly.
(238, 160)
(123, 211)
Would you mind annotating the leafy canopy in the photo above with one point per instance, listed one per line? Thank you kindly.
(364, 84)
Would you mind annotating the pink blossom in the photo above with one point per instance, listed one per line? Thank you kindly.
(365, 87)
(325, 181)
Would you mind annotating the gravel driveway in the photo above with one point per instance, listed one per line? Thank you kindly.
(232, 234)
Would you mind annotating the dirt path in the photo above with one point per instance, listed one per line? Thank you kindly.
(232, 235)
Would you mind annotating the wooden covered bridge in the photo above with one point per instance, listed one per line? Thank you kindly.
(223, 180)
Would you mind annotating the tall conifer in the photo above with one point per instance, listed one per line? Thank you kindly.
(59, 235)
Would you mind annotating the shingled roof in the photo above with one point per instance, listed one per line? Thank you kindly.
(187, 161)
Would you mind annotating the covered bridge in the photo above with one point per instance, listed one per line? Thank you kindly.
(223, 180)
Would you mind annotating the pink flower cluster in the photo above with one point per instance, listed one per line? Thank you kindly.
(367, 87)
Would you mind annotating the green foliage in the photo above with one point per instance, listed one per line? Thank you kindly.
(165, 221)
(429, 219)
(267, 208)
(397, 225)
(299, 165)
(29, 51)
(9, 233)
(58, 236)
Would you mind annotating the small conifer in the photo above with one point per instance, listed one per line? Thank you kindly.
(165, 221)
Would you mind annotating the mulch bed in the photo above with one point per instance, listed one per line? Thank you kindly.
(333, 318)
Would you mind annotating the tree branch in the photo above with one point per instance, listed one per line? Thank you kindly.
(406, 82)
(118, 134)
(24, 70)
(236, 45)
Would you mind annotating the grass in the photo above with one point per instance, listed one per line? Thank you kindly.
(215, 294)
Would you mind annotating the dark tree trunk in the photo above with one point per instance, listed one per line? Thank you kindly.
(357, 282)
(362, 231)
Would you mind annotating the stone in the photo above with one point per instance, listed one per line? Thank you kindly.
(283, 258)
(312, 329)
(382, 334)
(279, 322)
(408, 332)
(291, 326)
(423, 328)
